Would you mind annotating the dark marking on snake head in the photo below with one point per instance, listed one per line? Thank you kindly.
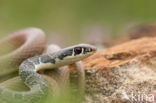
(65, 54)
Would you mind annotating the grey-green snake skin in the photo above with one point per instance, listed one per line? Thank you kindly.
(29, 68)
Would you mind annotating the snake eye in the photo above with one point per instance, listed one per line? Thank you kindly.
(77, 50)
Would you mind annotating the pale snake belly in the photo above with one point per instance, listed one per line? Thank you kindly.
(37, 84)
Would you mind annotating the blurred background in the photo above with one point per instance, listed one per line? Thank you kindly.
(74, 21)
(68, 22)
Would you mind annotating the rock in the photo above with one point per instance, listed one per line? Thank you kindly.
(125, 73)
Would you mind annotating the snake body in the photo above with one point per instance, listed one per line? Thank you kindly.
(27, 43)
(29, 68)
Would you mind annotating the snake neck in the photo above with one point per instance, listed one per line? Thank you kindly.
(46, 61)
(37, 84)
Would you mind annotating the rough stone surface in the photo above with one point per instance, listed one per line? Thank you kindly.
(125, 73)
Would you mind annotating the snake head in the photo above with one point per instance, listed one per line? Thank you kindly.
(83, 49)
(77, 52)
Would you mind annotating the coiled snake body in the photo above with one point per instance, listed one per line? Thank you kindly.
(37, 84)
(26, 43)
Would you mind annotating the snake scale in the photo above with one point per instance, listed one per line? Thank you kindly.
(28, 72)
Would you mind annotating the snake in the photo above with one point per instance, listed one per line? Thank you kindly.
(23, 44)
(28, 71)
